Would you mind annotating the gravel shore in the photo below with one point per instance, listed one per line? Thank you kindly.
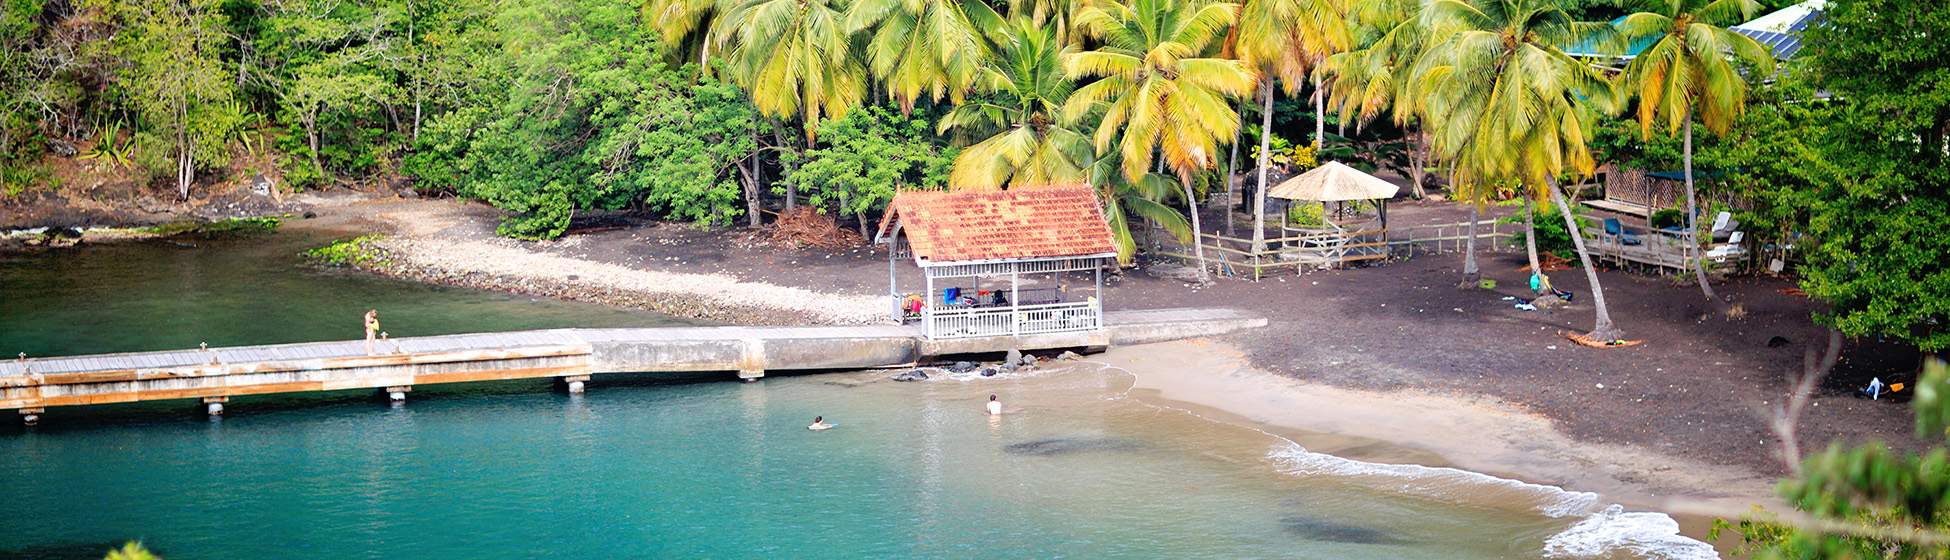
(501, 265)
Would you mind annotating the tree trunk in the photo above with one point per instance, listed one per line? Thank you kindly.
(1266, 94)
(1417, 160)
(1320, 122)
(791, 189)
(311, 134)
(1231, 170)
(1692, 213)
(1471, 275)
(1530, 245)
(185, 173)
(1198, 244)
(750, 180)
(1603, 330)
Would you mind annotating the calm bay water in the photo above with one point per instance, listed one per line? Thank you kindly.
(648, 466)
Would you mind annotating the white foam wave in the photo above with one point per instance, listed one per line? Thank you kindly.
(1647, 534)
(1441, 483)
(1600, 534)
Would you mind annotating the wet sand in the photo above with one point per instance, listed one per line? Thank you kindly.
(1473, 433)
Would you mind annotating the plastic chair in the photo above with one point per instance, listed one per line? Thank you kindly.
(1617, 230)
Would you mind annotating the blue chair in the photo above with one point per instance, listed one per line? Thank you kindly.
(1617, 230)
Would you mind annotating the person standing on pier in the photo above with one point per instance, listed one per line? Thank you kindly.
(372, 326)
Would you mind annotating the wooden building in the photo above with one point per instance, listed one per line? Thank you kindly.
(978, 249)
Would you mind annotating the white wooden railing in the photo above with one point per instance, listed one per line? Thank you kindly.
(1007, 321)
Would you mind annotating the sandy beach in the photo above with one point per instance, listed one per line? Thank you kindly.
(1388, 364)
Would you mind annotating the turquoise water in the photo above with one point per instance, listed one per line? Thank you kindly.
(174, 294)
(715, 470)
(648, 466)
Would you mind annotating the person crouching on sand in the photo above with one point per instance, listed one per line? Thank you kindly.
(819, 423)
(995, 406)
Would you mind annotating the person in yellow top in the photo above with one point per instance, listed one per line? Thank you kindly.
(372, 326)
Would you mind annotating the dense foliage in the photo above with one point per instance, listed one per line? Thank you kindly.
(711, 112)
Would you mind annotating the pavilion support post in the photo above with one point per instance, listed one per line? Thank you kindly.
(893, 280)
(31, 416)
(398, 393)
(927, 311)
(575, 384)
(1015, 298)
(1099, 271)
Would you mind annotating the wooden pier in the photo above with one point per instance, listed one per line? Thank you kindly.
(572, 355)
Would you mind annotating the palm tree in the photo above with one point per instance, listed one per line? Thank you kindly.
(1688, 68)
(795, 58)
(1503, 102)
(1283, 40)
(681, 21)
(1155, 92)
(925, 47)
(1027, 142)
(1124, 199)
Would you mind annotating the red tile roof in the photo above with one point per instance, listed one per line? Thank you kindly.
(1021, 223)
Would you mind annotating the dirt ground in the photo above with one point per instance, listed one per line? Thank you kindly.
(1701, 384)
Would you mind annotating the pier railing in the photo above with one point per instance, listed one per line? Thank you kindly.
(1009, 321)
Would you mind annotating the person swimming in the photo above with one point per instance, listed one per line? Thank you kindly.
(819, 423)
(995, 406)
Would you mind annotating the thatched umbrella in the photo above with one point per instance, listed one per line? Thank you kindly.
(1334, 182)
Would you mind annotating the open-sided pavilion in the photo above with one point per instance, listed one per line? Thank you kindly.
(976, 250)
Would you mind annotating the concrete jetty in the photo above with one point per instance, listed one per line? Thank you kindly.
(571, 355)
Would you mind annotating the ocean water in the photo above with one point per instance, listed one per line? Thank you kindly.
(643, 467)
(656, 466)
(227, 290)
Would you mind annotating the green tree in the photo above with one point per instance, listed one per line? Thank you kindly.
(868, 156)
(1880, 216)
(1155, 92)
(595, 119)
(1687, 71)
(795, 58)
(175, 78)
(1504, 102)
(925, 48)
(1028, 142)
(1283, 40)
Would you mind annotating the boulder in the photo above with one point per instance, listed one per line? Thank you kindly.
(1015, 357)
(911, 375)
(962, 367)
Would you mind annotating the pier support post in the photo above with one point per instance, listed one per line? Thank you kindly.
(30, 416)
(750, 375)
(574, 383)
(398, 394)
(214, 405)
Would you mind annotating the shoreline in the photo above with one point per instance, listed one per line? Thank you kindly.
(1474, 433)
(427, 244)
(451, 242)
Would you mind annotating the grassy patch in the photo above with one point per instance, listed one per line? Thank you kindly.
(223, 228)
(358, 251)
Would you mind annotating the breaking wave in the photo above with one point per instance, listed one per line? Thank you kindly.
(1599, 534)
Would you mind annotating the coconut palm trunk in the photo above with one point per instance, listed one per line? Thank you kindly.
(1320, 116)
(1471, 275)
(1265, 145)
(1692, 215)
(1602, 330)
(1530, 245)
(1198, 240)
(1232, 170)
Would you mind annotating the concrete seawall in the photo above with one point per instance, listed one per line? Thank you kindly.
(572, 355)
